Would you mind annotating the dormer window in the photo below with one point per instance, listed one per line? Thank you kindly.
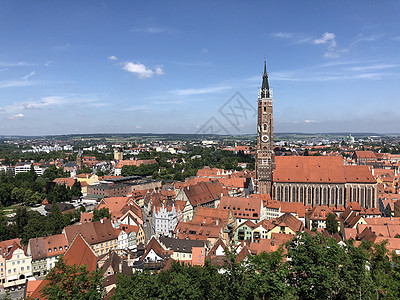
(49, 250)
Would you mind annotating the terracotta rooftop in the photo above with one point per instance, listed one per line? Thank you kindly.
(317, 169)
(93, 232)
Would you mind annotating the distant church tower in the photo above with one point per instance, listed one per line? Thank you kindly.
(265, 157)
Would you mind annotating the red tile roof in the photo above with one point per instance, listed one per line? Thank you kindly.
(313, 169)
(242, 207)
(204, 192)
(93, 232)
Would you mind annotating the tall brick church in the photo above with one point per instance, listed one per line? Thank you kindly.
(265, 157)
(312, 180)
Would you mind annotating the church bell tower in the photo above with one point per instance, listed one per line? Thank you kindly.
(265, 157)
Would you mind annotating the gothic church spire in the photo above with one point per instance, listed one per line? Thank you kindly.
(265, 86)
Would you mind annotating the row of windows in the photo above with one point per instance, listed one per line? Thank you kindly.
(15, 270)
(326, 195)
(55, 249)
(311, 195)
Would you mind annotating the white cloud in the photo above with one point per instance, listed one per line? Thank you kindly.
(112, 57)
(45, 101)
(374, 67)
(61, 48)
(49, 63)
(14, 64)
(329, 38)
(27, 76)
(296, 38)
(284, 35)
(205, 50)
(201, 91)
(363, 38)
(16, 117)
(51, 101)
(1, 109)
(138, 107)
(310, 121)
(4, 69)
(14, 83)
(151, 30)
(159, 71)
(141, 70)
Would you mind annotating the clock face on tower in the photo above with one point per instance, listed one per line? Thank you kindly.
(265, 138)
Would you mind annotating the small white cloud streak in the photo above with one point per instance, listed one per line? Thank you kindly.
(27, 76)
(201, 91)
(310, 121)
(15, 83)
(362, 38)
(151, 30)
(16, 117)
(112, 57)
(138, 107)
(51, 101)
(14, 64)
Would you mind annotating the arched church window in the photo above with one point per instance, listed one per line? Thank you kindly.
(301, 193)
(324, 196)
(309, 196)
(333, 196)
(278, 193)
(286, 194)
(317, 195)
(354, 194)
(369, 197)
(265, 127)
(294, 194)
(340, 196)
(362, 197)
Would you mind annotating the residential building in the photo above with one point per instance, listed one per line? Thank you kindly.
(100, 235)
(45, 252)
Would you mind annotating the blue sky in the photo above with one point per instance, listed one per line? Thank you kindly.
(171, 66)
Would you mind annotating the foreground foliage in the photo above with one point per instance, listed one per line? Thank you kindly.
(306, 268)
(73, 282)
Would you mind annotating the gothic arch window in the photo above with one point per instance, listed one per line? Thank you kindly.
(317, 195)
(278, 193)
(325, 196)
(362, 197)
(340, 196)
(369, 197)
(301, 193)
(309, 196)
(354, 194)
(286, 194)
(333, 196)
(294, 194)
(265, 127)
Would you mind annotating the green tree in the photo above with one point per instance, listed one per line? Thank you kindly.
(313, 267)
(55, 220)
(73, 282)
(76, 189)
(101, 214)
(331, 223)
(269, 274)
